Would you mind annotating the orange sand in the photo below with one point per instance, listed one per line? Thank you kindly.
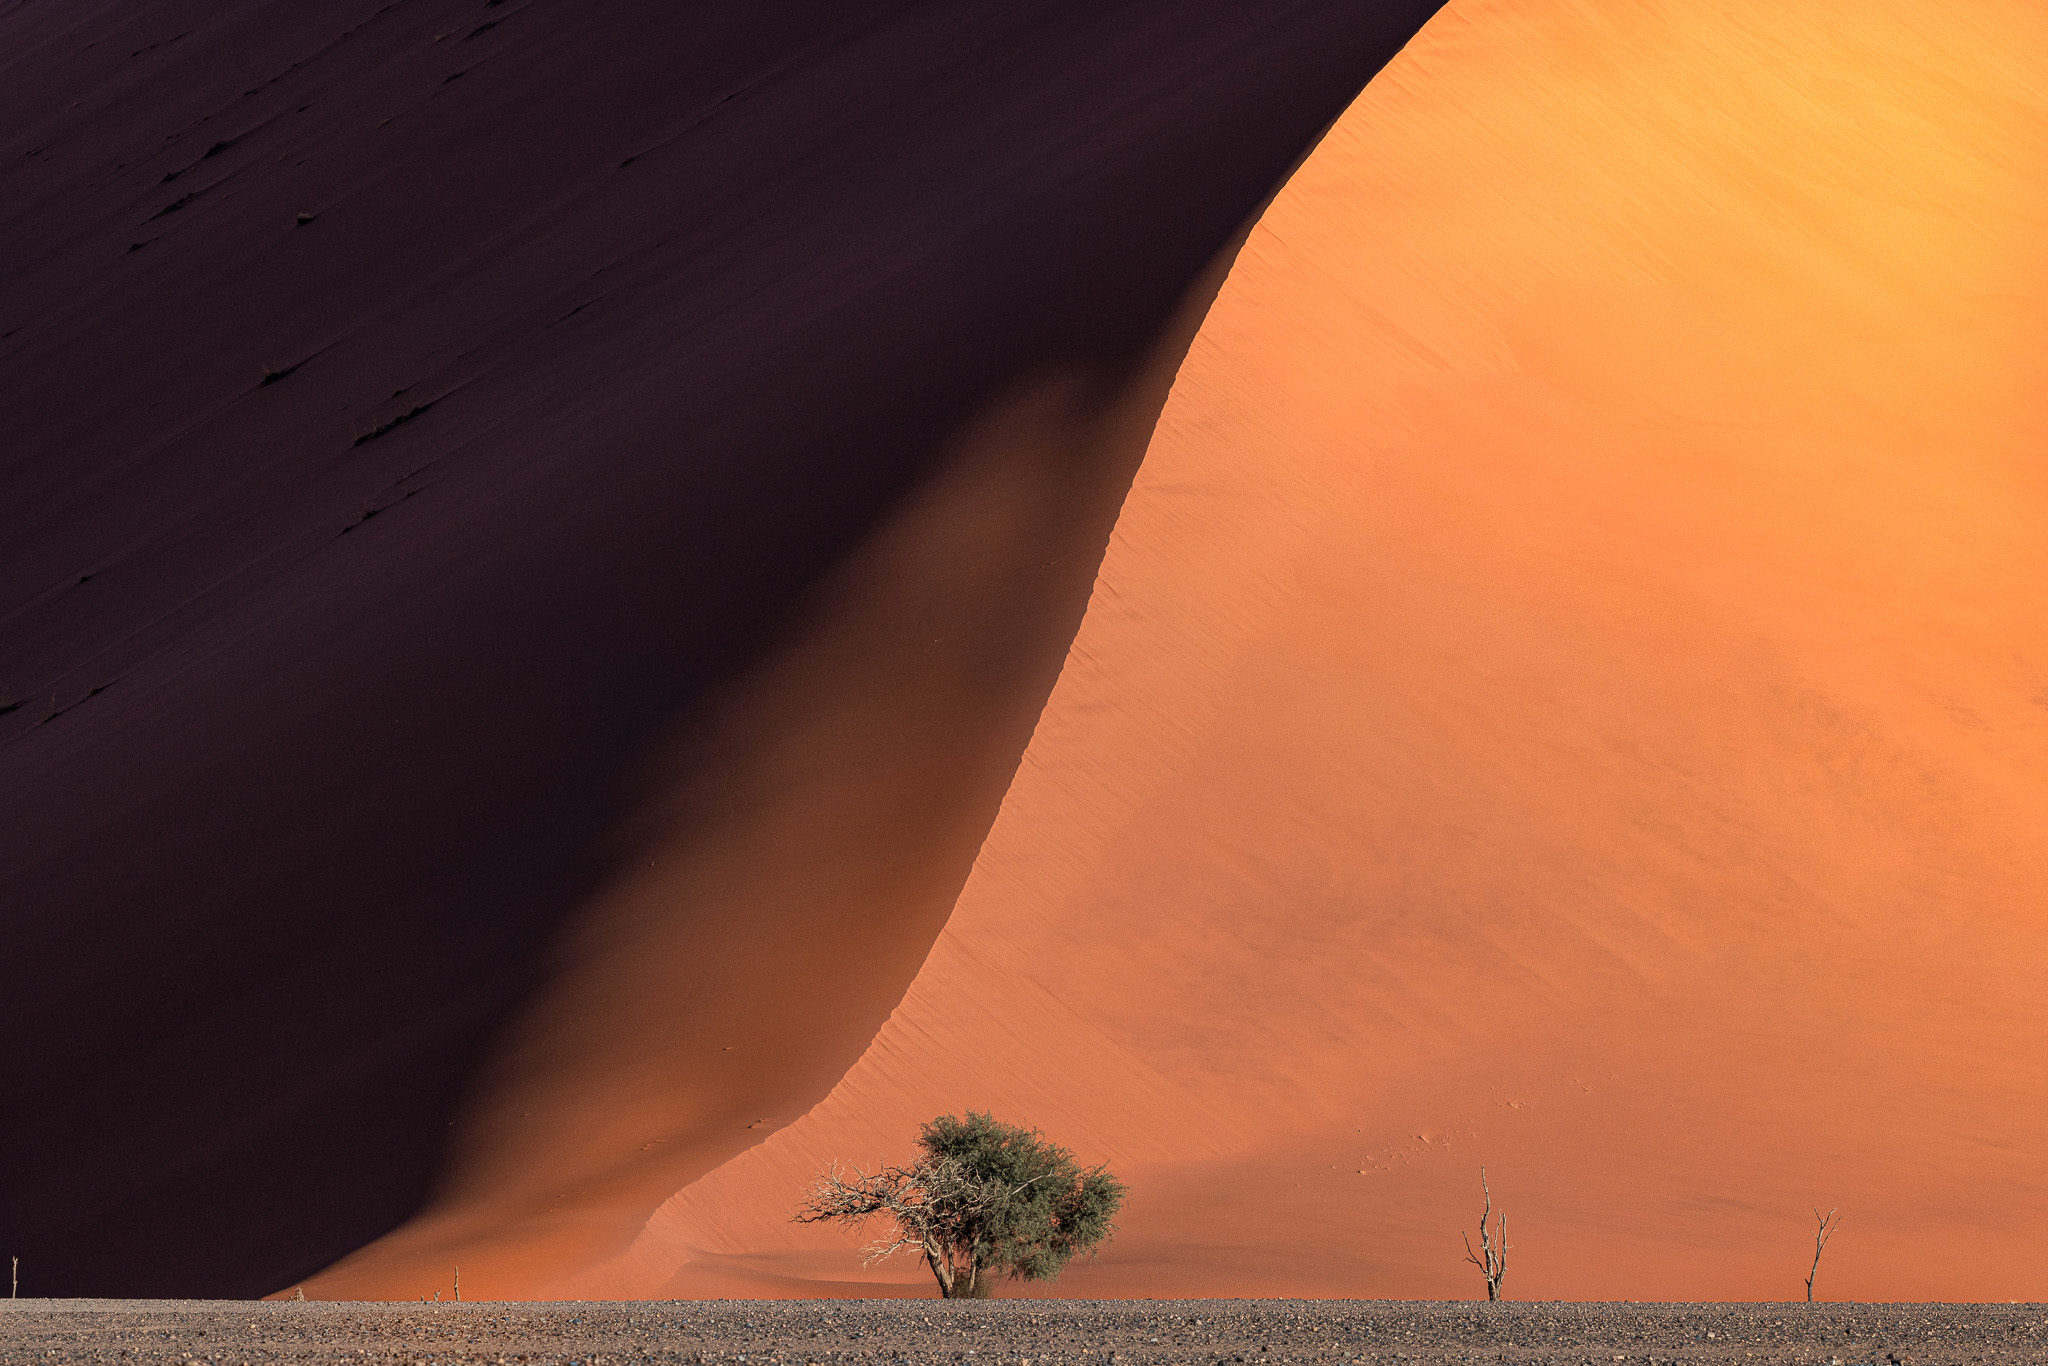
(811, 829)
(1568, 691)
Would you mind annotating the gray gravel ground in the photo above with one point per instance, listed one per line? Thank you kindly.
(1019, 1333)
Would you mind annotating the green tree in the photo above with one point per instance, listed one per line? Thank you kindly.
(982, 1200)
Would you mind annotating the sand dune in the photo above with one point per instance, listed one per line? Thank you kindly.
(1568, 691)
(477, 479)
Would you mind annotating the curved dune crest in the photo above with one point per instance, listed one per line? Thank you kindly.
(533, 538)
(1568, 691)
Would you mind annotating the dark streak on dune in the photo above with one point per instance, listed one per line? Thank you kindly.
(267, 902)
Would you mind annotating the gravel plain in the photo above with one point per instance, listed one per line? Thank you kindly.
(1018, 1333)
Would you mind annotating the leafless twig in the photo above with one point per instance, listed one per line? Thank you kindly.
(924, 1203)
(914, 1199)
(1492, 1257)
(1825, 1227)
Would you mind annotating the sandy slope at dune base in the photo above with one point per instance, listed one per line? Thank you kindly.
(1568, 692)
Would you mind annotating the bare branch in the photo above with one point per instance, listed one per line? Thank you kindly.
(918, 1201)
(1492, 1257)
(1825, 1226)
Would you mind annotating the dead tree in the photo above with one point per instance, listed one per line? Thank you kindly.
(1825, 1225)
(1492, 1257)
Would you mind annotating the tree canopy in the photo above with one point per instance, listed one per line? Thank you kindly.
(982, 1200)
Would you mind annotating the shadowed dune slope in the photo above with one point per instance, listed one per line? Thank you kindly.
(531, 539)
(1568, 691)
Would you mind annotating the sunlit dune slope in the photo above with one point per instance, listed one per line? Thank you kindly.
(532, 538)
(1568, 692)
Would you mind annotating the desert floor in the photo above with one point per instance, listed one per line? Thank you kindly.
(763, 1333)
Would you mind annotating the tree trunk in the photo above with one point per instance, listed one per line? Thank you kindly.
(942, 1271)
(968, 1282)
(977, 1283)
